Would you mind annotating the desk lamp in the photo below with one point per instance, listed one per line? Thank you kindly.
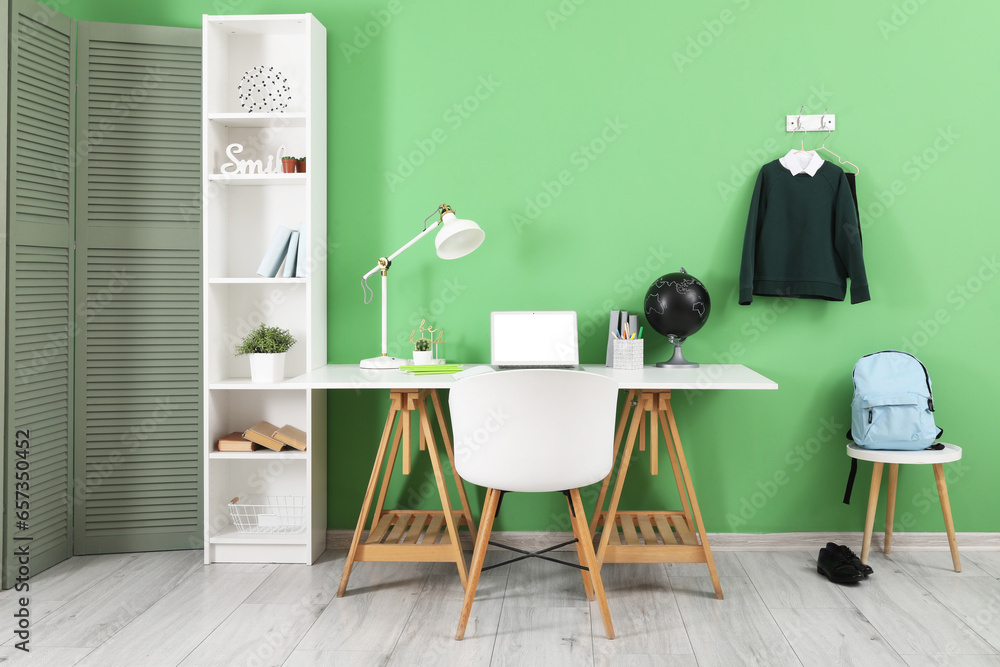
(457, 238)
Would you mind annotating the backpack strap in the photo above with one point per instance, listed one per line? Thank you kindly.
(850, 481)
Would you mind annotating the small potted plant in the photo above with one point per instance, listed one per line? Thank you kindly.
(266, 347)
(300, 165)
(288, 164)
(422, 353)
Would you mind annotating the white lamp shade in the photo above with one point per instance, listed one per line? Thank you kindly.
(457, 238)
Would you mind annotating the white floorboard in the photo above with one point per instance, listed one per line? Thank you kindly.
(644, 612)
(789, 580)
(169, 630)
(93, 618)
(738, 630)
(823, 637)
(168, 609)
(908, 616)
(255, 634)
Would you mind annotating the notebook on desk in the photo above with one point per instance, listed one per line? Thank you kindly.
(534, 339)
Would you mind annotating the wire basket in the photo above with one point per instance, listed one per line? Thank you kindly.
(276, 515)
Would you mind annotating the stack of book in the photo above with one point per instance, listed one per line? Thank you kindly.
(288, 247)
(263, 434)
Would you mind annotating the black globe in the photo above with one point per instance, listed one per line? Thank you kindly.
(677, 305)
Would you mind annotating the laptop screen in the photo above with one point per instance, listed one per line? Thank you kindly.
(534, 338)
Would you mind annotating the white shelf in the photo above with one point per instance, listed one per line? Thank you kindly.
(256, 280)
(229, 535)
(245, 384)
(258, 179)
(258, 454)
(261, 25)
(242, 213)
(270, 120)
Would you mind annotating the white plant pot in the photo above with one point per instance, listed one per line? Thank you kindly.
(423, 357)
(267, 367)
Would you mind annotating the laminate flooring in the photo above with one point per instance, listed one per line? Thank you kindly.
(168, 608)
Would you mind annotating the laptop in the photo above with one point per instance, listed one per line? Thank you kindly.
(534, 339)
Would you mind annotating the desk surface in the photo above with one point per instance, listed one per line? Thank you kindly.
(706, 376)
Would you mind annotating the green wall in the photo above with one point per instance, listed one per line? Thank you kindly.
(601, 145)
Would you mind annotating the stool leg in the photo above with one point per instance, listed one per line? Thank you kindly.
(890, 506)
(949, 525)
(872, 506)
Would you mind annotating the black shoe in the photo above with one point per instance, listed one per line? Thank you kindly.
(836, 568)
(850, 556)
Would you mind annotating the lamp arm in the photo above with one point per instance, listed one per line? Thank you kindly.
(383, 263)
(378, 267)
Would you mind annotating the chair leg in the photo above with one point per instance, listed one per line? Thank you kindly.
(478, 556)
(872, 506)
(582, 532)
(588, 584)
(890, 506)
(949, 525)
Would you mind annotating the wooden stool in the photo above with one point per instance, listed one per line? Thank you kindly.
(935, 457)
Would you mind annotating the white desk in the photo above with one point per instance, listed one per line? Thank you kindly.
(643, 536)
(708, 376)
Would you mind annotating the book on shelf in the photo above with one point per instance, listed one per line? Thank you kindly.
(291, 255)
(303, 250)
(292, 437)
(276, 251)
(235, 442)
(262, 433)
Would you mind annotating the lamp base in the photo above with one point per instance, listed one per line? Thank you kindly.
(384, 362)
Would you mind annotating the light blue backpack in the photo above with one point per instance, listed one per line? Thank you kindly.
(893, 406)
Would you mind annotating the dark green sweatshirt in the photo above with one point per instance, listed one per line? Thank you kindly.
(803, 238)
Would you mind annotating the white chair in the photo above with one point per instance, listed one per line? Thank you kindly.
(535, 430)
(879, 457)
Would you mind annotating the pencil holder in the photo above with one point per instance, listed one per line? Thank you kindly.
(627, 354)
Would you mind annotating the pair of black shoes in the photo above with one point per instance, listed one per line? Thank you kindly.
(840, 564)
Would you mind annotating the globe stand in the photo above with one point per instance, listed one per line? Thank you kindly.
(677, 360)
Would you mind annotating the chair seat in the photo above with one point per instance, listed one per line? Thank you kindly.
(948, 454)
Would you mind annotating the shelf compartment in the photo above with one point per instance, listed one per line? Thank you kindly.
(233, 310)
(230, 411)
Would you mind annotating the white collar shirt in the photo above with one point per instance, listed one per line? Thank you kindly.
(798, 162)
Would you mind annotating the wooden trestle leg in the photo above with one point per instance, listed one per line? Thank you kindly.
(652, 536)
(414, 535)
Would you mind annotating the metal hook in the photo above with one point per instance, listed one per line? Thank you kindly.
(798, 124)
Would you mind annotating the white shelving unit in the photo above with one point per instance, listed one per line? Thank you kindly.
(241, 212)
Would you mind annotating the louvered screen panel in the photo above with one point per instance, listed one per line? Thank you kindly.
(40, 391)
(140, 402)
(40, 291)
(138, 421)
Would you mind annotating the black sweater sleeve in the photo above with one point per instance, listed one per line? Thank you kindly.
(847, 242)
(757, 206)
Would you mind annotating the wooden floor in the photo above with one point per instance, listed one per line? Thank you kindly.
(169, 609)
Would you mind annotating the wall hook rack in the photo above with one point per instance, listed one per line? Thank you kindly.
(825, 122)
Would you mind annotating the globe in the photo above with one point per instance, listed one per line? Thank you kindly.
(677, 306)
